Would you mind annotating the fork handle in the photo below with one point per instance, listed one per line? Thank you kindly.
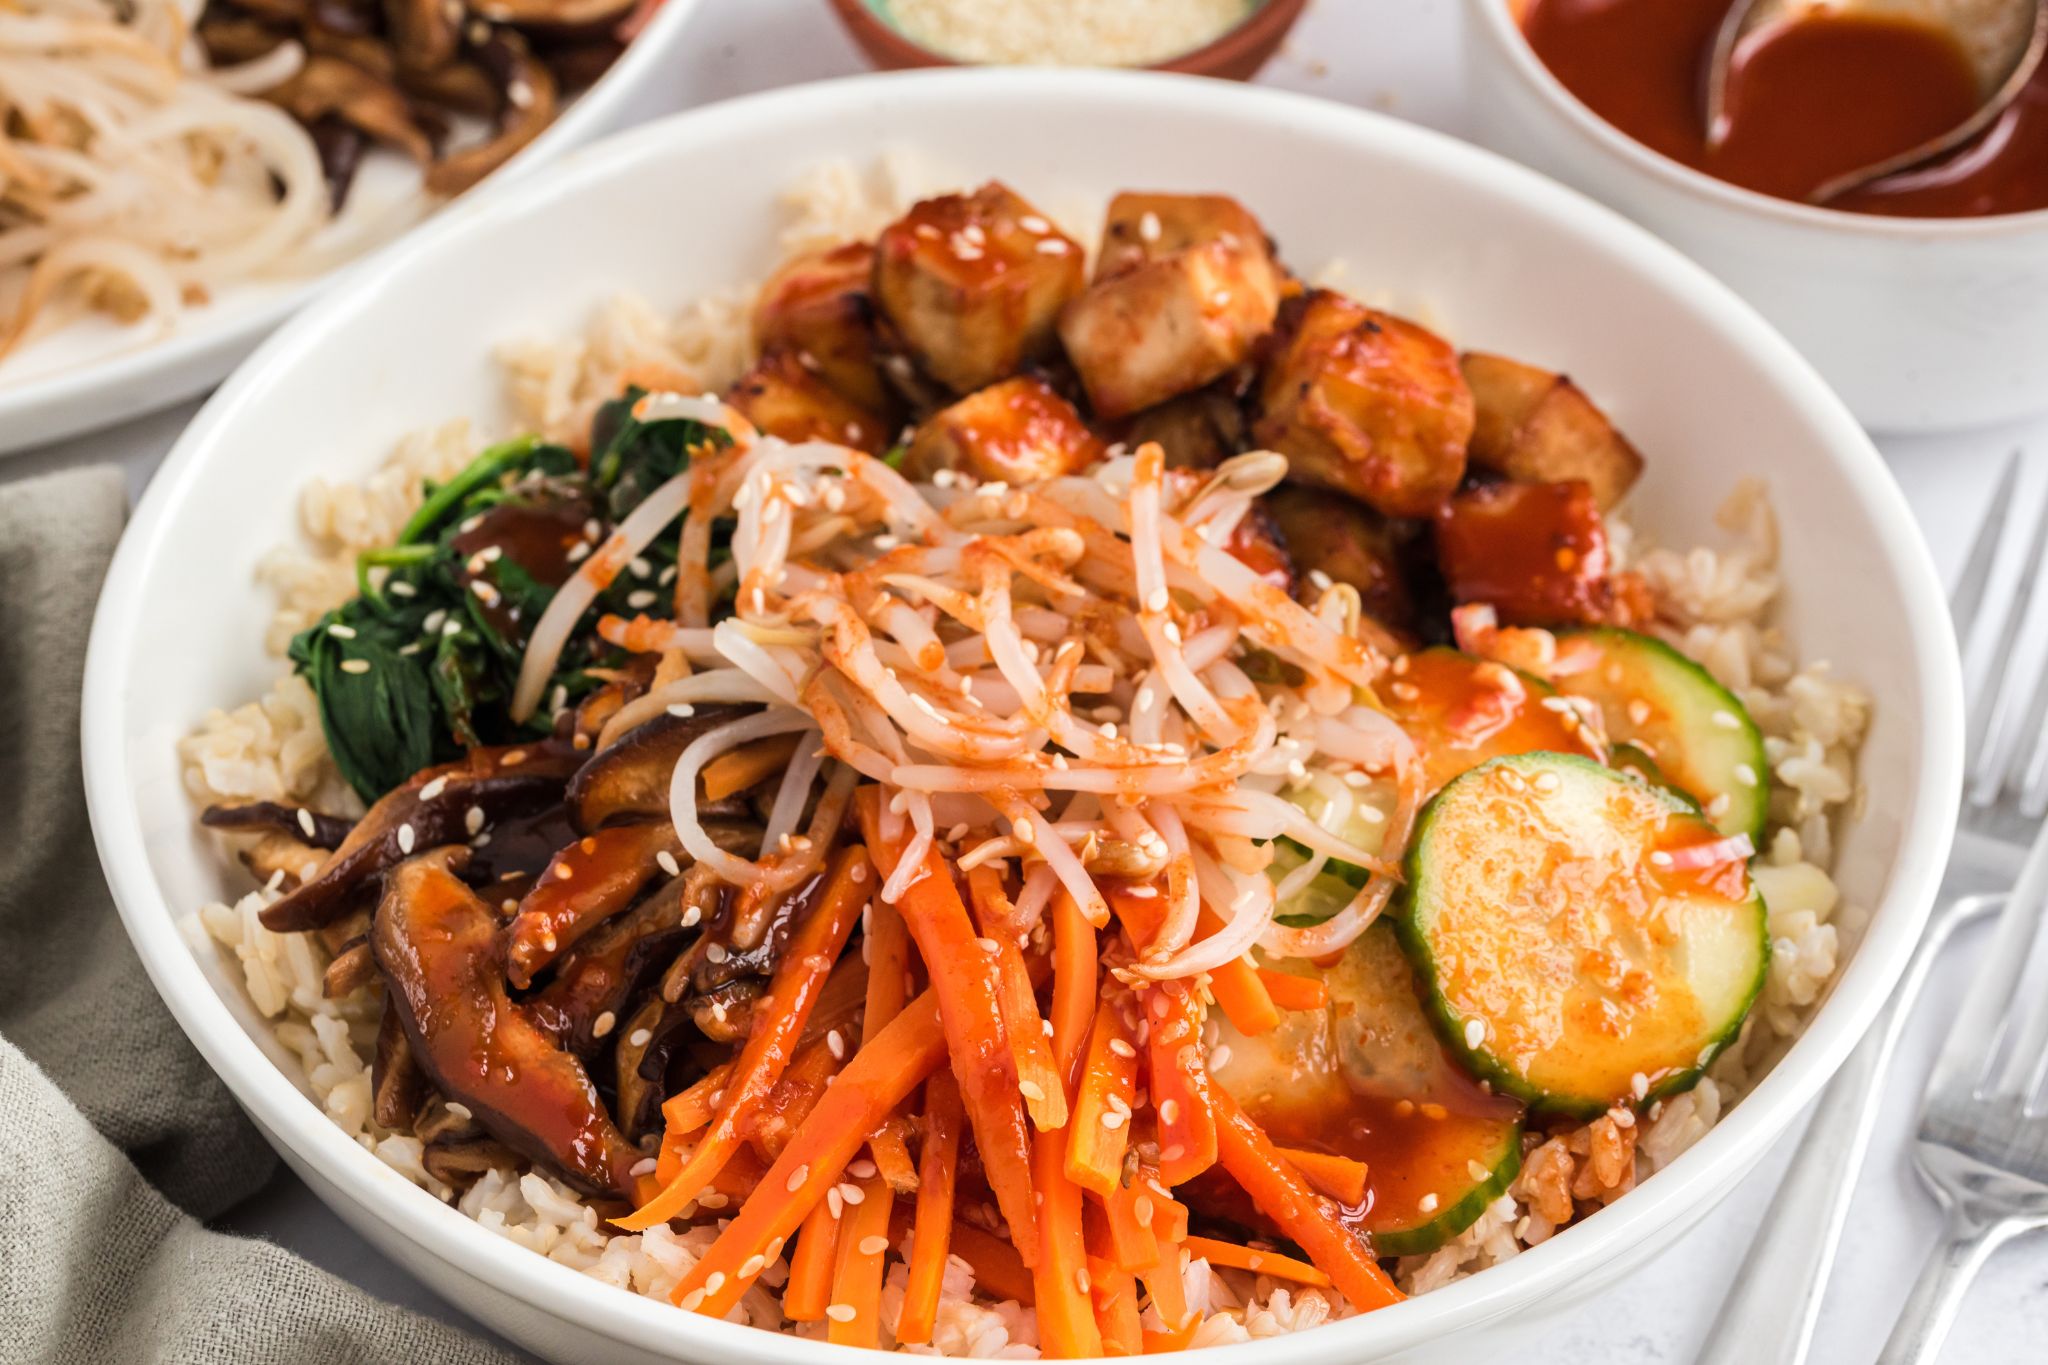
(1769, 1314)
(1968, 1240)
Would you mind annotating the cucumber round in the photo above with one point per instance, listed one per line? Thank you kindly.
(1365, 825)
(1462, 711)
(1368, 1079)
(1693, 729)
(1565, 960)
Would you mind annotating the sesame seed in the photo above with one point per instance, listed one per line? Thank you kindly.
(1547, 782)
(714, 1282)
(1660, 858)
(1122, 1048)
(666, 861)
(988, 945)
(861, 1170)
(716, 953)
(485, 593)
(1169, 1110)
(1727, 720)
(1477, 1171)
(400, 588)
(644, 1166)
(473, 819)
(306, 821)
(1427, 1203)
(1744, 774)
(752, 1266)
(640, 600)
(1082, 1282)
(434, 788)
(1475, 1032)
(1148, 227)
(639, 1037)
(405, 838)
(682, 710)
(833, 1203)
(603, 1024)
(355, 665)
(342, 632)
(460, 1111)
(852, 1193)
(691, 1301)
(513, 759)
(873, 1244)
(1112, 1121)
(1031, 1090)
(1173, 1153)
(841, 1312)
(691, 916)
(797, 1178)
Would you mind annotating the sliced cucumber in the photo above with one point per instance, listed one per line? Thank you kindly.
(1694, 730)
(1326, 893)
(1367, 1078)
(1357, 815)
(1628, 759)
(1568, 959)
(1462, 711)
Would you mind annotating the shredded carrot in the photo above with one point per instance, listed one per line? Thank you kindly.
(1292, 992)
(1231, 1256)
(811, 1265)
(792, 1099)
(1337, 1176)
(840, 1004)
(688, 1110)
(1039, 1079)
(1307, 1219)
(937, 1176)
(1115, 1294)
(1128, 1211)
(875, 1081)
(1179, 1081)
(1077, 960)
(855, 1313)
(967, 985)
(1163, 1283)
(1238, 988)
(1162, 1343)
(778, 1021)
(1102, 1108)
(889, 1145)
(735, 770)
(997, 1266)
(887, 950)
(1066, 1314)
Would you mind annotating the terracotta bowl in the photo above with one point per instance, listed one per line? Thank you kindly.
(1236, 56)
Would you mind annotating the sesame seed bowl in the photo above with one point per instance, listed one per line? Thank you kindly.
(1486, 251)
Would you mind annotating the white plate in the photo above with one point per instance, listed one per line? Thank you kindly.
(97, 373)
(1493, 254)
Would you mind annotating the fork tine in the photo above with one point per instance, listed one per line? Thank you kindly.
(2034, 782)
(1968, 597)
(1988, 754)
(1972, 1040)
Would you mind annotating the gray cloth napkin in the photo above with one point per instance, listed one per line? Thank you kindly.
(110, 1124)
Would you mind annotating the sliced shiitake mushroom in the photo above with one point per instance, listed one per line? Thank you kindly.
(328, 85)
(530, 105)
(584, 885)
(629, 778)
(397, 1085)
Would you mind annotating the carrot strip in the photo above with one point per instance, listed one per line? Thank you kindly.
(855, 1312)
(1128, 1211)
(1179, 1082)
(1337, 1176)
(1292, 992)
(1308, 1220)
(967, 985)
(1077, 960)
(1042, 1084)
(1102, 1109)
(1231, 1256)
(792, 1099)
(777, 1023)
(688, 1110)
(735, 770)
(874, 1082)
(1238, 988)
(1163, 1282)
(997, 1266)
(938, 1170)
(811, 1266)
(888, 958)
(1162, 1343)
(1115, 1294)
(890, 1149)
(1066, 1314)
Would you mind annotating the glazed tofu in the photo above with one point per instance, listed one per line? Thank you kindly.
(1166, 327)
(1366, 404)
(973, 284)
(784, 396)
(1536, 426)
(1537, 553)
(816, 305)
(1018, 431)
(1150, 227)
(1352, 544)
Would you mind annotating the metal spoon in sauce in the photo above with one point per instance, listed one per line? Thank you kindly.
(2003, 41)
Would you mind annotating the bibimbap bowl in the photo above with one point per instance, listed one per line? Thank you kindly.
(684, 210)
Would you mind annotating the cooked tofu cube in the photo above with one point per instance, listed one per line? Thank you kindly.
(1150, 227)
(1537, 553)
(1198, 430)
(1350, 543)
(1537, 426)
(1018, 431)
(973, 284)
(785, 397)
(1368, 404)
(1166, 327)
(817, 305)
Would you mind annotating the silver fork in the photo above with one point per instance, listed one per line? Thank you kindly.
(1769, 1314)
(1979, 1148)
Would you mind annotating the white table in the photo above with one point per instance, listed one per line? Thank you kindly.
(1399, 56)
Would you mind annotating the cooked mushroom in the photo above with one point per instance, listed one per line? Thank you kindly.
(329, 86)
(424, 33)
(443, 959)
(302, 823)
(584, 885)
(594, 980)
(397, 1086)
(629, 778)
(349, 971)
(556, 14)
(436, 806)
(458, 1163)
(530, 105)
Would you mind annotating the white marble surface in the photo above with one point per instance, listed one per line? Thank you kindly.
(1399, 56)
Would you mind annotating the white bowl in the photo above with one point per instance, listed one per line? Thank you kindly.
(1921, 324)
(96, 373)
(1488, 251)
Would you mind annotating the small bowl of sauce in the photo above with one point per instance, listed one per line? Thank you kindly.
(1810, 99)
(1921, 298)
